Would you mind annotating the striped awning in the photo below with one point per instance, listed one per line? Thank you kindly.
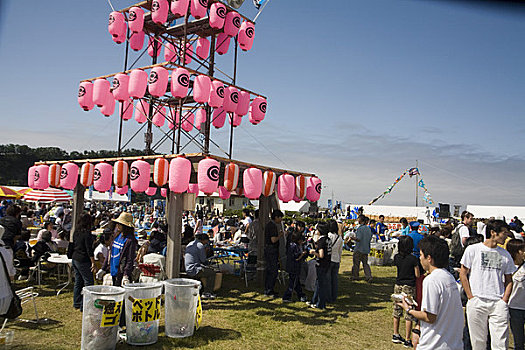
(48, 195)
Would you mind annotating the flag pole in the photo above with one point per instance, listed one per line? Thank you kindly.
(417, 182)
(258, 13)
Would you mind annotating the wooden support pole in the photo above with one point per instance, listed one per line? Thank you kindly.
(264, 218)
(78, 207)
(174, 249)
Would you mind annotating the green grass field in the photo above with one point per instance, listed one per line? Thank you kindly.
(243, 318)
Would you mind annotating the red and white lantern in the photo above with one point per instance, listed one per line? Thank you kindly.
(158, 81)
(217, 15)
(252, 183)
(69, 176)
(231, 176)
(313, 190)
(139, 175)
(223, 43)
(203, 47)
(179, 7)
(101, 90)
(136, 41)
(180, 173)
(180, 81)
(160, 171)
(208, 175)
(218, 117)
(120, 87)
(117, 25)
(138, 82)
(216, 94)
(198, 8)
(141, 111)
(269, 178)
(102, 177)
(136, 19)
(85, 95)
(246, 35)
(300, 187)
(54, 175)
(159, 11)
(120, 173)
(232, 23)
(87, 174)
(201, 88)
(286, 187)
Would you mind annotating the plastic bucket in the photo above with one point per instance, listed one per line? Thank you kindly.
(102, 306)
(142, 312)
(182, 295)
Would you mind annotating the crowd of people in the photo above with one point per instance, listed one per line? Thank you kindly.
(484, 258)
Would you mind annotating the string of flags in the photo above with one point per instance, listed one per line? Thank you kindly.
(411, 172)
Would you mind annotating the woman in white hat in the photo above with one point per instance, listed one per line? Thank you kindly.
(123, 251)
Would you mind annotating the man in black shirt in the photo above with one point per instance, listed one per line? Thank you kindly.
(272, 233)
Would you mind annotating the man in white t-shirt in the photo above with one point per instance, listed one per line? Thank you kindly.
(465, 228)
(486, 276)
(441, 312)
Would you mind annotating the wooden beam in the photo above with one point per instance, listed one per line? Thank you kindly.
(174, 248)
(78, 208)
(264, 218)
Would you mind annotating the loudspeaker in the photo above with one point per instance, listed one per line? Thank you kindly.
(444, 210)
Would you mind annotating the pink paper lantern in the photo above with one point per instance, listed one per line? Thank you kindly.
(120, 173)
(269, 178)
(136, 41)
(160, 116)
(200, 118)
(41, 176)
(138, 82)
(139, 175)
(313, 190)
(87, 174)
(187, 123)
(126, 109)
(69, 176)
(218, 118)
(208, 175)
(224, 193)
(244, 103)
(217, 15)
(158, 81)
(216, 94)
(117, 25)
(223, 43)
(141, 111)
(193, 188)
(198, 8)
(296, 199)
(203, 47)
(231, 99)
(102, 177)
(109, 107)
(189, 53)
(235, 119)
(101, 90)
(159, 11)
(285, 187)
(172, 118)
(160, 171)
(180, 173)
(122, 190)
(179, 7)
(170, 52)
(54, 175)
(31, 175)
(300, 187)
(201, 88)
(252, 183)
(119, 39)
(231, 176)
(164, 192)
(136, 19)
(120, 87)
(85, 95)
(151, 191)
(258, 109)
(152, 44)
(180, 81)
(232, 23)
(246, 35)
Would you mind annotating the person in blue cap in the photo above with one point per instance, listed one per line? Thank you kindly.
(416, 236)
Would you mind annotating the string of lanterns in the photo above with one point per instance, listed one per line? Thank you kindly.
(176, 175)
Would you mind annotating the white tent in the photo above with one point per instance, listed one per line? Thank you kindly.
(105, 197)
(486, 211)
(395, 211)
(302, 207)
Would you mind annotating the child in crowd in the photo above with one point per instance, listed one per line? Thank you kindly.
(294, 257)
(407, 271)
(516, 248)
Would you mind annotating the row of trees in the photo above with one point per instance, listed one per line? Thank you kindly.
(15, 160)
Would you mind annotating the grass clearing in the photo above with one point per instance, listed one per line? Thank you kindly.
(243, 318)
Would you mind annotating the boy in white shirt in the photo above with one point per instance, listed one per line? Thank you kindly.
(486, 276)
(441, 312)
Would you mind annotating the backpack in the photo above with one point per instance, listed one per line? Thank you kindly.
(456, 248)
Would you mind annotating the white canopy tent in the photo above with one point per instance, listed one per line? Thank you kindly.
(498, 212)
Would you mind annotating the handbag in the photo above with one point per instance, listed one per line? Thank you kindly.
(15, 307)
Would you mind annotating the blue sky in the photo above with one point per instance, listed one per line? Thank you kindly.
(357, 91)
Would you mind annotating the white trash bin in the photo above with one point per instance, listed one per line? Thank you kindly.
(142, 312)
(181, 298)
